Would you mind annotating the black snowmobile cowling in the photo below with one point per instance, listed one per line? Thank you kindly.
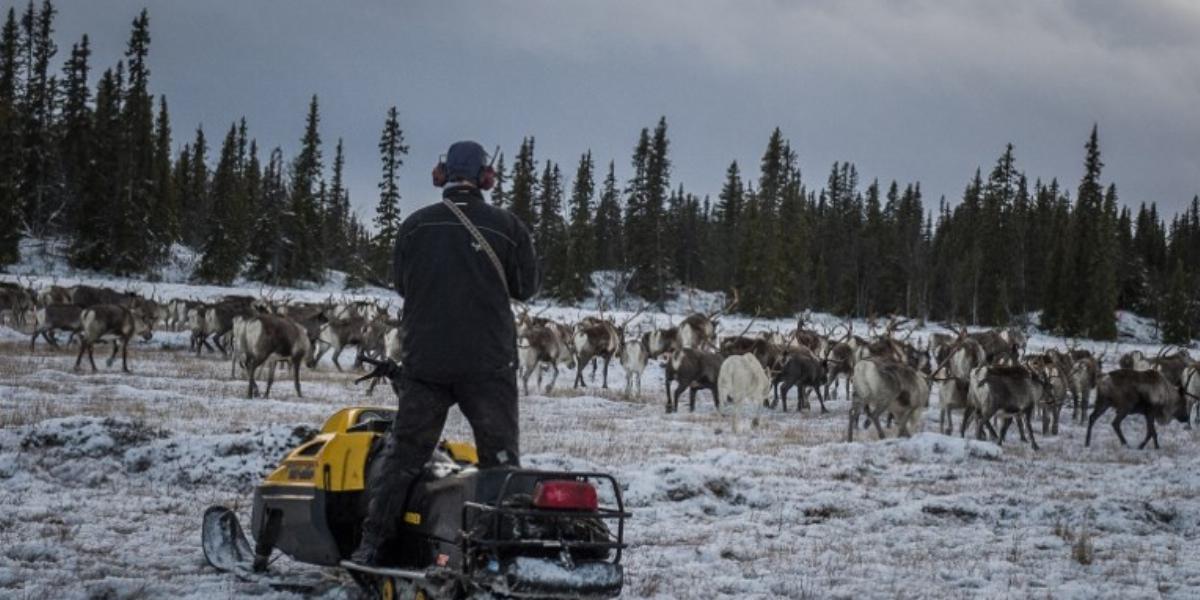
(510, 533)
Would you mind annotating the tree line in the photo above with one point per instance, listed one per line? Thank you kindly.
(99, 169)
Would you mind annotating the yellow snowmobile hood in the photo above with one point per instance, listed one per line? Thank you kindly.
(335, 460)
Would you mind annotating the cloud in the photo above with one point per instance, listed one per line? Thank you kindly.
(908, 89)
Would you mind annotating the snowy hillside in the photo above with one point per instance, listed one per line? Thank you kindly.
(105, 477)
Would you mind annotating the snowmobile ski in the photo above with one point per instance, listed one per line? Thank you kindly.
(227, 550)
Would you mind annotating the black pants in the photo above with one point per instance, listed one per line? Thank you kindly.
(491, 409)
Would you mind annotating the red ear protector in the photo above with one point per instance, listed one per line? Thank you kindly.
(487, 175)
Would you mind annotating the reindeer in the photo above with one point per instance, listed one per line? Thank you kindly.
(218, 320)
(693, 370)
(598, 338)
(634, 356)
(85, 296)
(743, 383)
(998, 346)
(54, 294)
(336, 334)
(1085, 371)
(1191, 388)
(542, 345)
(55, 317)
(1008, 392)
(840, 360)
(953, 374)
(661, 341)
(16, 301)
(699, 330)
(803, 370)
(1147, 393)
(112, 321)
(267, 337)
(886, 385)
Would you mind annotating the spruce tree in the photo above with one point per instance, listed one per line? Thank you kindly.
(522, 196)
(729, 216)
(193, 194)
(224, 248)
(550, 235)
(1178, 310)
(387, 213)
(74, 129)
(38, 154)
(608, 230)
(580, 240)
(303, 260)
(93, 245)
(141, 251)
(10, 142)
(267, 253)
(166, 202)
(336, 215)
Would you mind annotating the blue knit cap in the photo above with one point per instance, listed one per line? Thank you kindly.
(465, 160)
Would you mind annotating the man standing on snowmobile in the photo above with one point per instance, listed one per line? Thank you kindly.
(457, 264)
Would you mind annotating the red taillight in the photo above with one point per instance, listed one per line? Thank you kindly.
(564, 494)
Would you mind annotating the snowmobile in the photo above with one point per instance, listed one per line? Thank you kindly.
(464, 532)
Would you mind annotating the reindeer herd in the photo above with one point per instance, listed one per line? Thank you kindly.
(987, 376)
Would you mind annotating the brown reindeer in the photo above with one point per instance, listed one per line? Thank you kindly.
(596, 338)
(271, 338)
(55, 317)
(693, 370)
(1147, 393)
(110, 321)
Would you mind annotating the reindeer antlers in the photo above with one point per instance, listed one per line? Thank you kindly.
(621, 327)
(728, 306)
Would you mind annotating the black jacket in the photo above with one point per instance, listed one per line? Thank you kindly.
(458, 324)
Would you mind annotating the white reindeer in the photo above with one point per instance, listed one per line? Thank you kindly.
(743, 383)
(634, 356)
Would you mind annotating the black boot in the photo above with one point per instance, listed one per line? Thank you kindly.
(367, 553)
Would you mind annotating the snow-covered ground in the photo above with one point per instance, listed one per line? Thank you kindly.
(104, 477)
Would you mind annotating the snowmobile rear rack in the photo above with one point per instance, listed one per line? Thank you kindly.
(497, 510)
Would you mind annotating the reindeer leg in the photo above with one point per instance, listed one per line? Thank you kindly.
(786, 389)
(579, 366)
(1096, 412)
(336, 353)
(92, 355)
(1029, 426)
(852, 423)
(251, 368)
(296, 375)
(873, 415)
(986, 423)
(820, 398)
(1116, 425)
(553, 378)
(116, 348)
(966, 420)
(692, 399)
(79, 359)
(270, 377)
(125, 355)
(607, 359)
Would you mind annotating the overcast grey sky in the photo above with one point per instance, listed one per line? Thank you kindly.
(907, 89)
